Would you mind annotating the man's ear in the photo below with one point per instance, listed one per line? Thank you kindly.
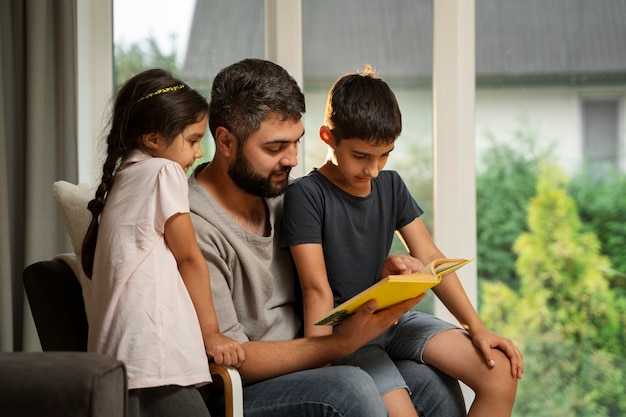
(150, 140)
(325, 135)
(225, 141)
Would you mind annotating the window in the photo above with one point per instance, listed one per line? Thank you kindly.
(187, 38)
(533, 64)
(396, 40)
(212, 44)
(549, 83)
(601, 133)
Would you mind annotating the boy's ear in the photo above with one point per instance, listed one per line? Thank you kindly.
(150, 140)
(325, 134)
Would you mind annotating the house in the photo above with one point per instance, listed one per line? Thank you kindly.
(555, 69)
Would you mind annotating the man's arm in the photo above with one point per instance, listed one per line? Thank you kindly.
(265, 359)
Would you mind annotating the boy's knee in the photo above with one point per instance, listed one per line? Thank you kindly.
(499, 382)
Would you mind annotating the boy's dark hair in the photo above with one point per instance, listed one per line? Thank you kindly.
(362, 106)
(249, 91)
(153, 101)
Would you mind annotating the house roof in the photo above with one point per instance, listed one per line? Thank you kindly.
(528, 39)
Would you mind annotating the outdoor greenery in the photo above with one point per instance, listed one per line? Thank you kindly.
(561, 297)
(134, 58)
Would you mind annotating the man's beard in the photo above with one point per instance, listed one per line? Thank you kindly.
(243, 175)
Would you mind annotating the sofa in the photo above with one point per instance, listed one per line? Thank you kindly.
(64, 380)
(61, 384)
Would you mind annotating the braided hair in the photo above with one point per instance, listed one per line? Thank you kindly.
(153, 101)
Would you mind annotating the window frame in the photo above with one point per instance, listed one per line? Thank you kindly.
(617, 102)
(453, 107)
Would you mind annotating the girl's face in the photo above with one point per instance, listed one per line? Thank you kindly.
(185, 148)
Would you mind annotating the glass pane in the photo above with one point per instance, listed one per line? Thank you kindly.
(551, 265)
(395, 38)
(150, 33)
(193, 39)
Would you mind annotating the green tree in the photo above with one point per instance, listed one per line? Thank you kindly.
(601, 205)
(134, 58)
(565, 318)
(505, 182)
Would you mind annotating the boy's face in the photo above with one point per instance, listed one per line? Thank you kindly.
(356, 162)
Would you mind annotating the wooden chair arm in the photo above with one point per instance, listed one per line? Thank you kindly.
(233, 388)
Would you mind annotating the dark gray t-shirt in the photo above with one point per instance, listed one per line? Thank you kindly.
(356, 232)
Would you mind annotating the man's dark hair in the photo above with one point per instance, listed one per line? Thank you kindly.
(249, 91)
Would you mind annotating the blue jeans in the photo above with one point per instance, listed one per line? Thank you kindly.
(346, 391)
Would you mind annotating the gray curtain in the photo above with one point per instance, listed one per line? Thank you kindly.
(38, 145)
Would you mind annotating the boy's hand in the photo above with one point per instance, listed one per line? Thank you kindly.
(401, 264)
(224, 350)
(486, 340)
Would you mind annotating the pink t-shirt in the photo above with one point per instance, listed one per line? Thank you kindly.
(141, 312)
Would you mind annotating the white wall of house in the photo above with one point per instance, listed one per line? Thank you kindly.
(552, 112)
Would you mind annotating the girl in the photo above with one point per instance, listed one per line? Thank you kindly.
(151, 299)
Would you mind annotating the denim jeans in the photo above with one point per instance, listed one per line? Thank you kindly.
(434, 393)
(404, 340)
(346, 391)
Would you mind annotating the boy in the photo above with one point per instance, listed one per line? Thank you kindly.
(349, 209)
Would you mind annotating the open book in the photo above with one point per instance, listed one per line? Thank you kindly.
(394, 289)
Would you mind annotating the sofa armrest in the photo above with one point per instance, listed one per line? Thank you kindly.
(62, 384)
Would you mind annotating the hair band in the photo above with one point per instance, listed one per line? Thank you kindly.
(161, 91)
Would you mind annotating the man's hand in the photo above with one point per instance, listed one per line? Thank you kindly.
(401, 264)
(364, 325)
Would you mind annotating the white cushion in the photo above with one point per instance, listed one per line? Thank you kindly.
(72, 202)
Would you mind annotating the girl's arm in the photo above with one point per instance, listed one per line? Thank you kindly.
(181, 240)
(452, 294)
(316, 292)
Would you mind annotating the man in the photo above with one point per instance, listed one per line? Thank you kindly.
(256, 121)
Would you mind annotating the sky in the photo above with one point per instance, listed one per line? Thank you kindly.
(135, 20)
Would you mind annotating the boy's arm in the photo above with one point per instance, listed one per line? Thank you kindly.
(316, 292)
(181, 239)
(450, 291)
(452, 294)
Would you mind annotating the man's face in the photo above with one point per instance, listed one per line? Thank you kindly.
(262, 164)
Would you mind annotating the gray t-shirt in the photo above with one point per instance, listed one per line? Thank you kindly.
(356, 232)
(252, 280)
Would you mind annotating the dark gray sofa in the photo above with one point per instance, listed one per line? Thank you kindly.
(61, 384)
(63, 380)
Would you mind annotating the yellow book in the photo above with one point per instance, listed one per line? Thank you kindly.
(394, 289)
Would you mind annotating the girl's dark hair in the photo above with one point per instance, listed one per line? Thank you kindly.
(362, 106)
(153, 101)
